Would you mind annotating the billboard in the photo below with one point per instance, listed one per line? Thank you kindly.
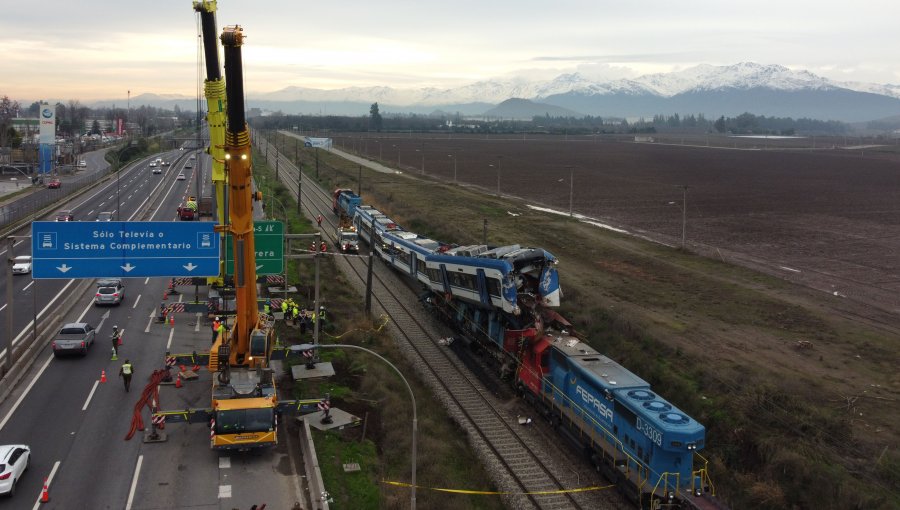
(47, 115)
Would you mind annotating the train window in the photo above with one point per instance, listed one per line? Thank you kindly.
(493, 286)
(640, 451)
(616, 430)
(626, 413)
(434, 275)
(676, 443)
(402, 256)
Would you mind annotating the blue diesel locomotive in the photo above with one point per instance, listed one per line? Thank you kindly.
(502, 299)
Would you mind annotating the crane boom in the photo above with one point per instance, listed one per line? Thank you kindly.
(214, 90)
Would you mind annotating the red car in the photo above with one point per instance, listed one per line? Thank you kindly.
(54, 184)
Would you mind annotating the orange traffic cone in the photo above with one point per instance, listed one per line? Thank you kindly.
(196, 368)
(45, 494)
(166, 295)
(181, 367)
(178, 381)
(103, 376)
(172, 320)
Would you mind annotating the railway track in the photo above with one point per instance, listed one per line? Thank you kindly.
(526, 474)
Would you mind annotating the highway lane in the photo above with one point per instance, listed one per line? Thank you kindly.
(76, 425)
(133, 190)
(87, 444)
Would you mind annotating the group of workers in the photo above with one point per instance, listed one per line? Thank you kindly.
(301, 316)
(322, 247)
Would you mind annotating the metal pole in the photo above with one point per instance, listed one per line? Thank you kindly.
(571, 188)
(415, 420)
(359, 180)
(299, 186)
(498, 174)
(316, 305)
(369, 284)
(7, 365)
(317, 163)
(684, 217)
(484, 234)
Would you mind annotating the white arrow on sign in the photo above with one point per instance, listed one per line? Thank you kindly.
(128, 267)
(259, 267)
(64, 268)
(190, 266)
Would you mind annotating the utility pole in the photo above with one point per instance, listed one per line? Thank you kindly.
(499, 158)
(684, 217)
(317, 163)
(484, 233)
(299, 186)
(571, 188)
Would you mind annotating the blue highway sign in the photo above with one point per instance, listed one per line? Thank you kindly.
(123, 249)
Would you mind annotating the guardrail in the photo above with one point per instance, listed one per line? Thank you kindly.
(318, 497)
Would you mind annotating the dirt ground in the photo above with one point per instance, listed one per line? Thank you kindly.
(811, 367)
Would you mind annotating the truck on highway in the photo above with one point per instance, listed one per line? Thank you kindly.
(205, 206)
(74, 337)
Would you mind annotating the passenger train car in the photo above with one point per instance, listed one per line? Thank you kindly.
(501, 299)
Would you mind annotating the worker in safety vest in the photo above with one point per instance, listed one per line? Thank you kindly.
(116, 339)
(322, 313)
(284, 307)
(215, 329)
(295, 314)
(322, 247)
(312, 247)
(319, 220)
(126, 372)
(267, 308)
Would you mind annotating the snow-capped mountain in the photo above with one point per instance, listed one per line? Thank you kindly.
(711, 90)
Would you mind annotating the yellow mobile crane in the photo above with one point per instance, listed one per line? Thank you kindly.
(245, 403)
(214, 90)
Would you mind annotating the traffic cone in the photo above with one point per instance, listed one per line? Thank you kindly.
(181, 367)
(45, 493)
(172, 320)
(103, 376)
(166, 295)
(196, 368)
(178, 381)
(120, 340)
(114, 357)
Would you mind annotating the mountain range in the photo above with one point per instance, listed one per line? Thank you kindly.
(770, 90)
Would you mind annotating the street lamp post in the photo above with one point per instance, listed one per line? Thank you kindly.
(307, 347)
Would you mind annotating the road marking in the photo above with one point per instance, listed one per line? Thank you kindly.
(146, 280)
(789, 269)
(88, 307)
(197, 323)
(27, 327)
(25, 393)
(37, 504)
(224, 491)
(26, 287)
(169, 343)
(90, 396)
(137, 472)
(136, 301)
(1, 309)
(224, 462)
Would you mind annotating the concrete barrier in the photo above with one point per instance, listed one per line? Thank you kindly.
(318, 497)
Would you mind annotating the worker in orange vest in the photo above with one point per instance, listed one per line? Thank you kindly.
(323, 248)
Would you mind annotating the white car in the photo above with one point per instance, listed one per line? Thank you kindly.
(180, 176)
(22, 264)
(13, 463)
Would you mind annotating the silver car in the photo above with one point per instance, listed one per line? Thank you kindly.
(110, 291)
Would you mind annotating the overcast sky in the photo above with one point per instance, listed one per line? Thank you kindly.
(100, 49)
